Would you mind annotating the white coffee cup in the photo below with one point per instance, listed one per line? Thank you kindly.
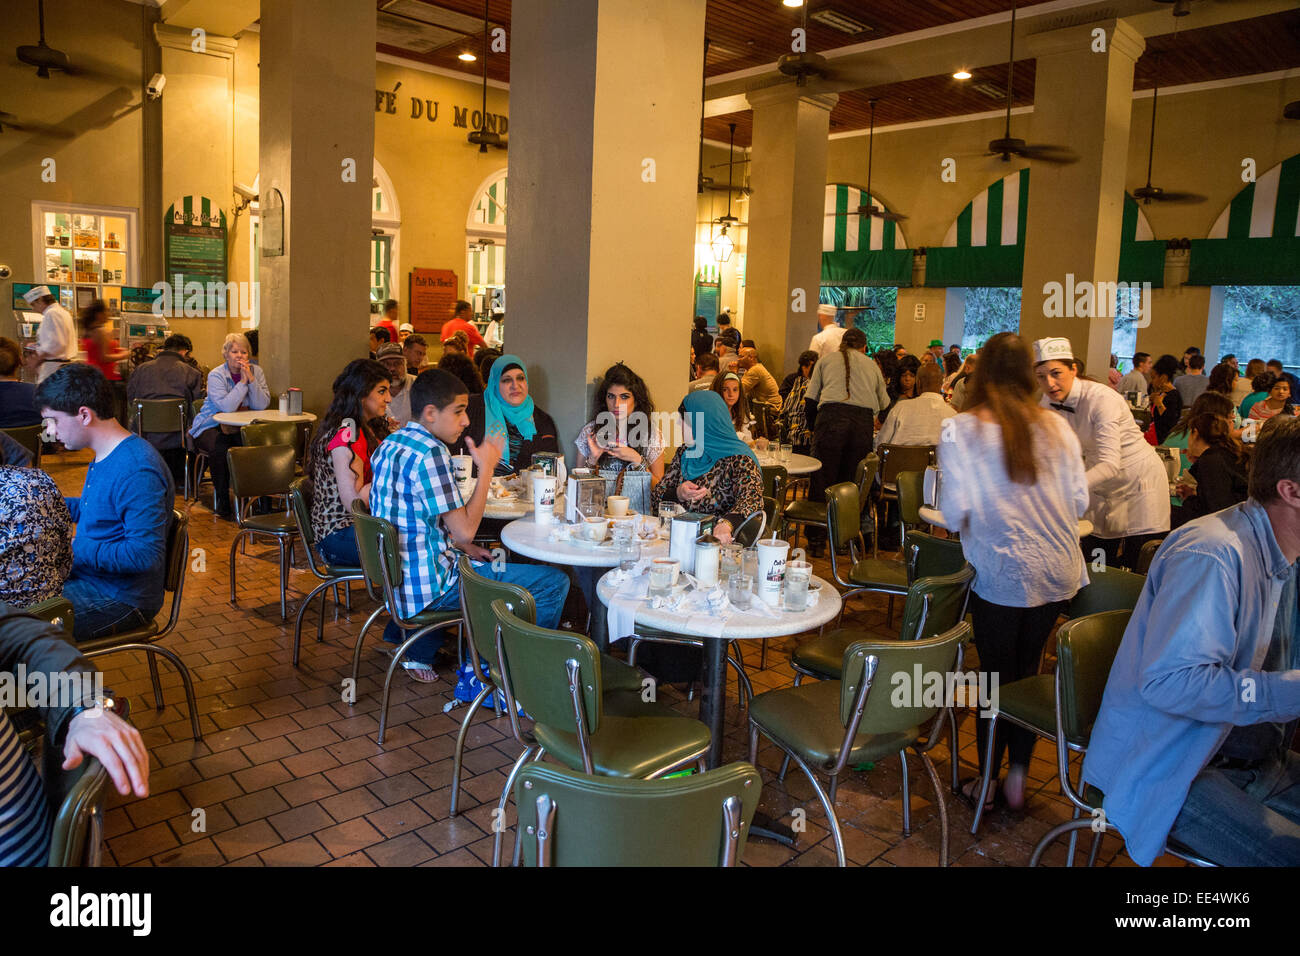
(616, 505)
(771, 568)
(544, 498)
(462, 467)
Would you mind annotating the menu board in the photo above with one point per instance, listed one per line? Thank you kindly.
(20, 288)
(432, 296)
(707, 297)
(194, 232)
(138, 301)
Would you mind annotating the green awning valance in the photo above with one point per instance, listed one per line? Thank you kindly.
(974, 266)
(1142, 262)
(1262, 261)
(882, 267)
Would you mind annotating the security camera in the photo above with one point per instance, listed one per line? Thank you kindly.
(156, 86)
(246, 192)
(5, 272)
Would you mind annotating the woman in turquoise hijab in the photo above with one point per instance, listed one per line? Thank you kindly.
(714, 472)
(505, 408)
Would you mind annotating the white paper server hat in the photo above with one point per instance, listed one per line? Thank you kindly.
(36, 293)
(825, 309)
(1049, 350)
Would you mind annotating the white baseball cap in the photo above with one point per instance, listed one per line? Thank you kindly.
(406, 327)
(1053, 350)
(36, 293)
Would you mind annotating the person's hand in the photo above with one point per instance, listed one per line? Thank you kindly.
(625, 453)
(487, 453)
(688, 492)
(115, 743)
(477, 552)
(1185, 490)
(722, 531)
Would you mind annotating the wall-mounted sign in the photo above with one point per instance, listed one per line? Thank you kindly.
(708, 296)
(272, 229)
(431, 295)
(194, 236)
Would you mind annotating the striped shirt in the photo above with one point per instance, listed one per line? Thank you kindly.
(24, 817)
(413, 488)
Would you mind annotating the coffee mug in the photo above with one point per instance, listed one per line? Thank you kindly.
(616, 505)
(595, 529)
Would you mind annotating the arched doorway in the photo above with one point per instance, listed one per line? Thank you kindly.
(485, 257)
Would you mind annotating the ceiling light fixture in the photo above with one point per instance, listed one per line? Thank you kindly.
(722, 246)
(792, 3)
(467, 57)
(962, 75)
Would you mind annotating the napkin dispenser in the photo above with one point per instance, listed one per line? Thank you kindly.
(547, 461)
(933, 486)
(585, 493)
(686, 528)
(295, 401)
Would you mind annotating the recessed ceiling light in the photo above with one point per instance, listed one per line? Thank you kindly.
(792, 3)
(467, 57)
(961, 75)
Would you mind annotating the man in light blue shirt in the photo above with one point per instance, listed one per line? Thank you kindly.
(1190, 741)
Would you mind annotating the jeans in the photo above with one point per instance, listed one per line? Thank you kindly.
(1244, 817)
(549, 587)
(97, 613)
(340, 548)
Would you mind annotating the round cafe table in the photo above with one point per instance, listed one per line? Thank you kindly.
(525, 536)
(248, 416)
(740, 626)
(797, 464)
(935, 517)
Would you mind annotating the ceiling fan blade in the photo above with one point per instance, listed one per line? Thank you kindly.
(1048, 154)
(1149, 194)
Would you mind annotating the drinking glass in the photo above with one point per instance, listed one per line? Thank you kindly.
(784, 451)
(730, 561)
(629, 553)
(661, 580)
(797, 576)
(740, 590)
(749, 563)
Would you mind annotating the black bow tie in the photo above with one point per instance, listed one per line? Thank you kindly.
(1062, 407)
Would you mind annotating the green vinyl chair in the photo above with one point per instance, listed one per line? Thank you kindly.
(329, 575)
(29, 436)
(557, 677)
(568, 818)
(200, 457)
(259, 433)
(382, 564)
(863, 575)
(894, 460)
(1086, 649)
(175, 562)
(1110, 589)
(477, 593)
(803, 512)
(776, 481)
(27, 720)
(830, 725)
(166, 415)
(911, 496)
(1147, 554)
(257, 472)
(76, 799)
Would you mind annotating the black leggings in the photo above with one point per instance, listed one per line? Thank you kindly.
(1010, 642)
(842, 437)
(214, 443)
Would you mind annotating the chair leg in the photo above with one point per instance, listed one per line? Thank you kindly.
(157, 687)
(829, 807)
(499, 823)
(392, 667)
(320, 621)
(361, 639)
(952, 744)
(460, 745)
(517, 855)
(1069, 826)
(234, 545)
(907, 796)
(302, 609)
(835, 786)
(1096, 845)
(281, 543)
(753, 743)
(943, 808)
(785, 765)
(986, 776)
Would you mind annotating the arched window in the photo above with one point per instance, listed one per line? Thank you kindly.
(485, 258)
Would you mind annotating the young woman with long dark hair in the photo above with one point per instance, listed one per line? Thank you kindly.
(1014, 486)
(338, 459)
(732, 390)
(1218, 466)
(622, 430)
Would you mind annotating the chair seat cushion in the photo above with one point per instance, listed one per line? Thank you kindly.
(1031, 701)
(426, 618)
(633, 747)
(807, 720)
(141, 635)
(618, 675)
(277, 523)
(801, 509)
(629, 703)
(879, 573)
(824, 654)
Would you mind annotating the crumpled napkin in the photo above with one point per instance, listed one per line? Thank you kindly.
(621, 613)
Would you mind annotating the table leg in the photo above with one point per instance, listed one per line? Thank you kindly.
(713, 700)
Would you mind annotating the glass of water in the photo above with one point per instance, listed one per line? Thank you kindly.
(797, 576)
(784, 451)
(730, 561)
(629, 553)
(749, 563)
(661, 579)
(740, 590)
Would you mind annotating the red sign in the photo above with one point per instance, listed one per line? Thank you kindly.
(432, 297)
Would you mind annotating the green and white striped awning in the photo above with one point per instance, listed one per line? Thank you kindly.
(1141, 255)
(1256, 239)
(985, 246)
(486, 265)
(860, 250)
(490, 209)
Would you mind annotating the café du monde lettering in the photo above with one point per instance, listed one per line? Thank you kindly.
(386, 102)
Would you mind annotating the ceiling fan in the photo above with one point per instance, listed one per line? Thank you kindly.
(870, 208)
(1148, 194)
(43, 56)
(482, 138)
(1008, 146)
(803, 65)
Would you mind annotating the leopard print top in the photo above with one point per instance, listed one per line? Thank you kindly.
(735, 487)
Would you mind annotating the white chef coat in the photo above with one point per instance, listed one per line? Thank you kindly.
(827, 341)
(1128, 487)
(57, 338)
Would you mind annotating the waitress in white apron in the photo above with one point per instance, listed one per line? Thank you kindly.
(1128, 487)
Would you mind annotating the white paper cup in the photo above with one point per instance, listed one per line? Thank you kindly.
(544, 498)
(771, 568)
(462, 467)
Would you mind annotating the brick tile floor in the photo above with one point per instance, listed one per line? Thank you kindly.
(287, 774)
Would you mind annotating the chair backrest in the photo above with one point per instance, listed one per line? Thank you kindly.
(76, 799)
(261, 470)
(300, 499)
(476, 596)
(891, 704)
(911, 495)
(1085, 649)
(775, 481)
(1143, 418)
(1110, 589)
(159, 415)
(29, 436)
(176, 560)
(270, 433)
(568, 818)
(751, 529)
(927, 556)
(843, 514)
(1147, 554)
(864, 476)
(377, 545)
(935, 604)
(899, 458)
(536, 662)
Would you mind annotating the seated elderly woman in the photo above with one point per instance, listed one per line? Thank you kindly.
(622, 432)
(234, 385)
(714, 472)
(506, 409)
(338, 459)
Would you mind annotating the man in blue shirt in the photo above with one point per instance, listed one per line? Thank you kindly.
(123, 513)
(415, 489)
(1191, 740)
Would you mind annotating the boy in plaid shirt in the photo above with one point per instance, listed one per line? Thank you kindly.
(415, 489)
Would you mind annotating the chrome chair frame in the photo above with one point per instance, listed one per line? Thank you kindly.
(284, 538)
(137, 411)
(327, 581)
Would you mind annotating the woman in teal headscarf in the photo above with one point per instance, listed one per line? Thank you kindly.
(505, 408)
(714, 472)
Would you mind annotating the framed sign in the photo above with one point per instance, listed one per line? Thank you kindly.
(708, 295)
(431, 295)
(194, 243)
